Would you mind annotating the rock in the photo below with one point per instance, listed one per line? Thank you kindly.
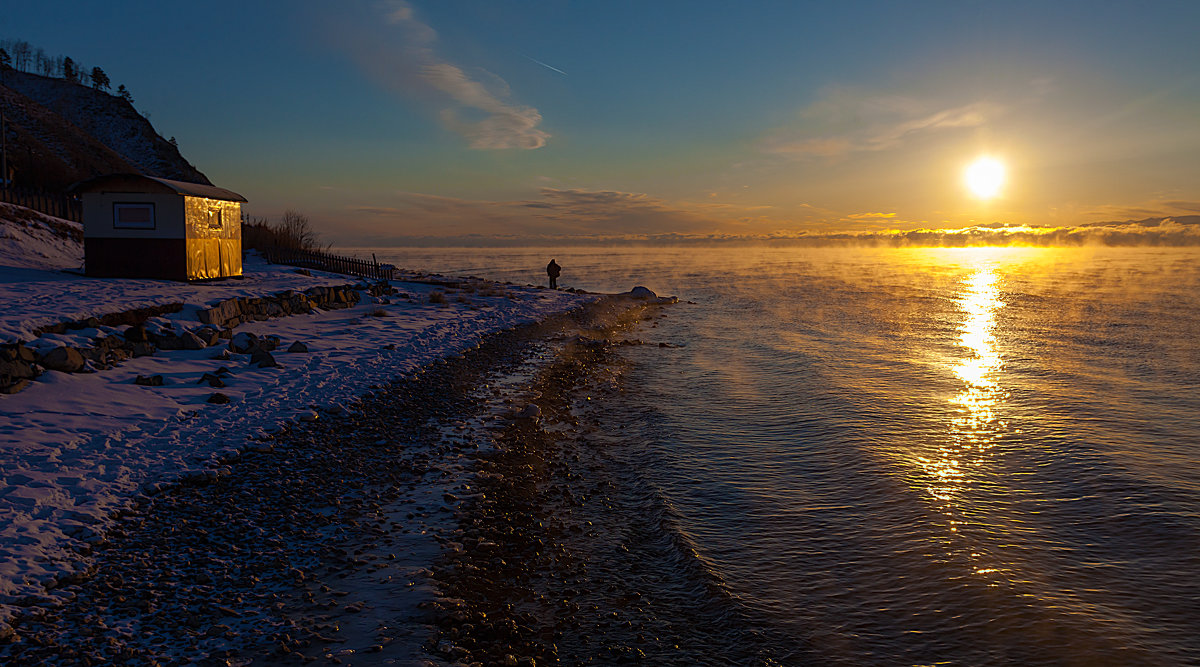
(640, 292)
(530, 412)
(17, 363)
(270, 343)
(223, 355)
(167, 341)
(19, 385)
(297, 347)
(218, 398)
(142, 349)
(65, 359)
(225, 314)
(263, 359)
(211, 380)
(149, 380)
(190, 341)
(309, 416)
(243, 342)
(136, 334)
(209, 335)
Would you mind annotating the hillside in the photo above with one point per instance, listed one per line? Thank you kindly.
(31, 240)
(62, 132)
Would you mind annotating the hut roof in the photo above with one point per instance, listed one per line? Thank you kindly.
(142, 183)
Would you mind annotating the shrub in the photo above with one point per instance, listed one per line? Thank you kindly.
(437, 297)
(293, 232)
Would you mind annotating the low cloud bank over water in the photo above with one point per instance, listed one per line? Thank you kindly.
(1179, 231)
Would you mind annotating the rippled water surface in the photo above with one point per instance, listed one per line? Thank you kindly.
(963, 456)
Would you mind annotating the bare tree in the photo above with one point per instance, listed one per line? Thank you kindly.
(43, 63)
(294, 230)
(21, 52)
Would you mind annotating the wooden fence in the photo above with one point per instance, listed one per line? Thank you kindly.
(56, 204)
(322, 261)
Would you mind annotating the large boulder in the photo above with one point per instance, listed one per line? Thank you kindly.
(243, 342)
(137, 334)
(263, 359)
(142, 349)
(65, 359)
(209, 335)
(190, 341)
(149, 380)
(167, 340)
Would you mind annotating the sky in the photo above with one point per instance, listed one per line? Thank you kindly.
(391, 122)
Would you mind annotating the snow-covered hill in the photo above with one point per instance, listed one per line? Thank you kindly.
(31, 240)
(59, 126)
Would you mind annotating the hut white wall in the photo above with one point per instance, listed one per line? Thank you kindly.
(98, 215)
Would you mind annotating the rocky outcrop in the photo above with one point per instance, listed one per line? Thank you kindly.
(229, 313)
(128, 317)
(20, 364)
(65, 359)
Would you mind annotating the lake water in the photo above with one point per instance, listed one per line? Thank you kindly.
(914, 456)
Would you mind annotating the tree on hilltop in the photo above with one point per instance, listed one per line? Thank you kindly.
(21, 51)
(69, 71)
(99, 79)
(5, 59)
(123, 93)
(43, 62)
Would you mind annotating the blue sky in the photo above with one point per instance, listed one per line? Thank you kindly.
(386, 121)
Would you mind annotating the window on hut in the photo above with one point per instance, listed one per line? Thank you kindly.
(133, 216)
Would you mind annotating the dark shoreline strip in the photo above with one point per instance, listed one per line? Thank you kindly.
(563, 556)
(248, 563)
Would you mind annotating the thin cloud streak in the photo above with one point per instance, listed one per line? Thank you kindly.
(549, 67)
(845, 123)
(411, 66)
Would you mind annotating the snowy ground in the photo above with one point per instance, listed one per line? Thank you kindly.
(74, 448)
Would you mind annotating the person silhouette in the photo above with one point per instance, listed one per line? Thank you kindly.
(552, 270)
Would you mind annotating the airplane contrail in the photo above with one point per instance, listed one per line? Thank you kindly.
(547, 66)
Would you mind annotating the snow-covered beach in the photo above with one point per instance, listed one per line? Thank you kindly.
(79, 452)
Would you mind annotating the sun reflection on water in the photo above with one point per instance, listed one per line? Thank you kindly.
(974, 426)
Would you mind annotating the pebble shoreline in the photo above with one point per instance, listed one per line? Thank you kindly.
(275, 558)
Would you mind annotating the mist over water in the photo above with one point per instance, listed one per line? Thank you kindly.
(914, 456)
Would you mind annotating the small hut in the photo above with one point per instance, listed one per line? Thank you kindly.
(137, 226)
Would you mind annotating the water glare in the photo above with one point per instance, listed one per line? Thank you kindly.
(964, 456)
(973, 426)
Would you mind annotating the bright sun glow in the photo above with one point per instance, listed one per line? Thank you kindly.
(984, 177)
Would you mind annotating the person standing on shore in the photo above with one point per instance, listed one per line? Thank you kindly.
(552, 270)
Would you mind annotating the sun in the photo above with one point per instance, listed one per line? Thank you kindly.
(984, 177)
